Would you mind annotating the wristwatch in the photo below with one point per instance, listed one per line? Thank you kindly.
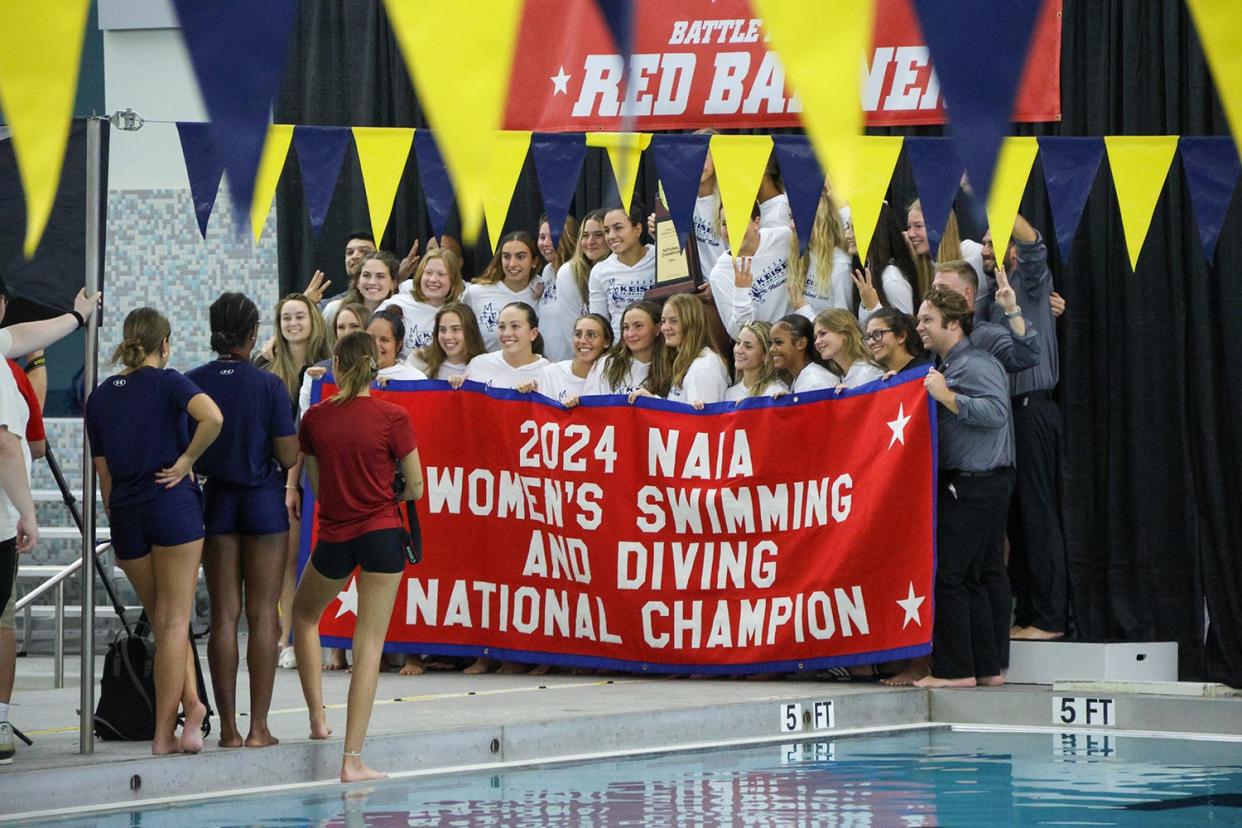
(1014, 314)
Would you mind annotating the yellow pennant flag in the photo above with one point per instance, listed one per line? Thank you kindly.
(275, 149)
(823, 63)
(1140, 164)
(624, 151)
(1013, 168)
(740, 161)
(38, 81)
(382, 153)
(459, 53)
(875, 156)
(1221, 36)
(508, 154)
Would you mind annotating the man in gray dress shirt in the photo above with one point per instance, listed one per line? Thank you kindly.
(1013, 340)
(1037, 563)
(970, 634)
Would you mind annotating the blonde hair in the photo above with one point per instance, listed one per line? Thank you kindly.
(357, 364)
(694, 335)
(359, 312)
(282, 364)
(579, 265)
(144, 332)
(457, 285)
(827, 234)
(949, 249)
(767, 373)
(843, 322)
(434, 354)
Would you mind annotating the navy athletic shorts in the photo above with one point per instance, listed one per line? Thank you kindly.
(240, 510)
(379, 551)
(171, 518)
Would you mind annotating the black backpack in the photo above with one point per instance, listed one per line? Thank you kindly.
(126, 708)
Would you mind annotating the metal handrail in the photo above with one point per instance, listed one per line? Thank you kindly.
(58, 581)
(69, 569)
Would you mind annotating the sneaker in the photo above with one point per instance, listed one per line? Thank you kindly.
(288, 660)
(8, 745)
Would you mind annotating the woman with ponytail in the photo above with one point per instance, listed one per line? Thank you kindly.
(144, 456)
(520, 358)
(354, 444)
(246, 522)
(794, 356)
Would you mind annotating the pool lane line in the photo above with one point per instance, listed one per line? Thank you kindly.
(453, 770)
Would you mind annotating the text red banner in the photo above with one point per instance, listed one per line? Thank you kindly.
(791, 534)
(701, 63)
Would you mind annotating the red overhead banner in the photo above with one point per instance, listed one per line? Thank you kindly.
(701, 63)
(784, 535)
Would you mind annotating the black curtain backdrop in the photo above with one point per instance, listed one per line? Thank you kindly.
(1152, 449)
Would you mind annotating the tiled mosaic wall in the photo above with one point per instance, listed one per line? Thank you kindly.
(155, 256)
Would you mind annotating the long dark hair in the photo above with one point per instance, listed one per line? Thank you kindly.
(889, 247)
(902, 324)
(532, 319)
(434, 354)
(802, 328)
(495, 271)
(620, 358)
(233, 319)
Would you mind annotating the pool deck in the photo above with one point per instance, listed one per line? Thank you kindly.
(439, 722)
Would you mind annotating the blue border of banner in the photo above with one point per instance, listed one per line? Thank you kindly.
(641, 667)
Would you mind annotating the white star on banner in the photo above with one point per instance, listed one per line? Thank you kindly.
(911, 604)
(561, 82)
(899, 427)
(349, 599)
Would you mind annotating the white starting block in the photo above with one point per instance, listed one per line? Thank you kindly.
(1046, 662)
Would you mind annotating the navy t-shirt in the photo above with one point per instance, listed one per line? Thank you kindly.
(137, 423)
(255, 405)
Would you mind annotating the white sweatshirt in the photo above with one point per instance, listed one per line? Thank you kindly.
(814, 377)
(487, 301)
(558, 381)
(706, 380)
(768, 297)
(597, 381)
(491, 369)
(419, 318)
(738, 391)
(614, 286)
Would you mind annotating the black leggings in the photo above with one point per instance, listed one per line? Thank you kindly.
(379, 551)
(8, 570)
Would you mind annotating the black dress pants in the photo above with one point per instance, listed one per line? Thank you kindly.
(973, 601)
(1036, 544)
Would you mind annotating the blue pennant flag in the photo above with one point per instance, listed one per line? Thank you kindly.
(558, 160)
(237, 49)
(619, 17)
(321, 150)
(203, 169)
(804, 181)
(679, 160)
(937, 178)
(1070, 167)
(979, 66)
(1212, 169)
(437, 188)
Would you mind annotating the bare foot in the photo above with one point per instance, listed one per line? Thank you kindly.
(336, 660)
(261, 738)
(1015, 629)
(990, 681)
(481, 665)
(163, 747)
(1036, 634)
(319, 726)
(906, 678)
(412, 667)
(229, 737)
(353, 769)
(541, 670)
(932, 682)
(192, 730)
(513, 668)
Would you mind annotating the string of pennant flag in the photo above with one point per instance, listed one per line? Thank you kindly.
(1138, 165)
(463, 52)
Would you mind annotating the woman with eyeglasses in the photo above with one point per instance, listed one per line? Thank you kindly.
(893, 341)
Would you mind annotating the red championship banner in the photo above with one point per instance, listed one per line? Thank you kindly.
(701, 63)
(779, 536)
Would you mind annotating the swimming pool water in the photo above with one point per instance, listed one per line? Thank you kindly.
(916, 778)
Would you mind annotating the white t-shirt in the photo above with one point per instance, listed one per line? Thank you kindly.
(556, 318)
(739, 391)
(861, 373)
(775, 212)
(597, 381)
(448, 370)
(706, 231)
(491, 369)
(419, 318)
(814, 377)
(898, 291)
(840, 291)
(487, 301)
(768, 297)
(706, 380)
(558, 381)
(614, 286)
(14, 414)
(401, 372)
